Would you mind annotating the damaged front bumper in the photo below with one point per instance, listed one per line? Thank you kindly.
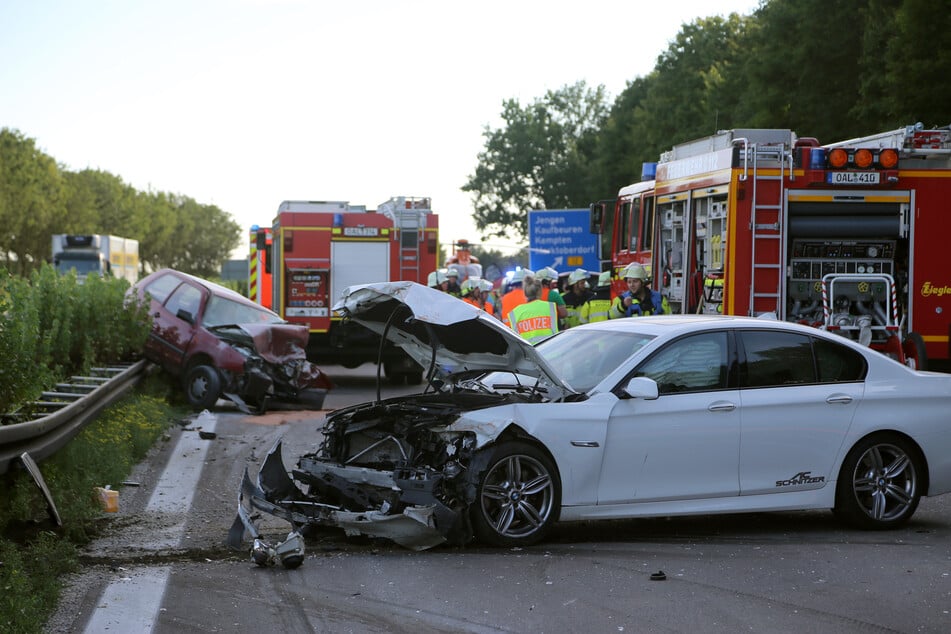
(408, 521)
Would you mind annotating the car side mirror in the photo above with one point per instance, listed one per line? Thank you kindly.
(641, 387)
(597, 218)
(184, 315)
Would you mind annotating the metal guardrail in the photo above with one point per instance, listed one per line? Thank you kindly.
(62, 413)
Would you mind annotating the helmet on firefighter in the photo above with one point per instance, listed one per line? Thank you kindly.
(634, 271)
(470, 285)
(578, 275)
(486, 285)
(604, 279)
(436, 278)
(519, 275)
(547, 273)
(452, 271)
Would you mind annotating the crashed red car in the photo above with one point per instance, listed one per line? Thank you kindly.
(223, 345)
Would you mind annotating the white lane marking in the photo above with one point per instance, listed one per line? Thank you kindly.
(132, 603)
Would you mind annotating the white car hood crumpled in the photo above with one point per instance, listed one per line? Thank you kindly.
(420, 320)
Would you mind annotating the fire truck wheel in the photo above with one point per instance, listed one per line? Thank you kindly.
(916, 356)
(202, 386)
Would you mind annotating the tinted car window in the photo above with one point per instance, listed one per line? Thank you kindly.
(162, 287)
(186, 297)
(777, 358)
(692, 364)
(838, 364)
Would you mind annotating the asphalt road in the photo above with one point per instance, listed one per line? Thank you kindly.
(162, 566)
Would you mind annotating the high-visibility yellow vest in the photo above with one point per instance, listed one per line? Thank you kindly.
(534, 320)
(595, 310)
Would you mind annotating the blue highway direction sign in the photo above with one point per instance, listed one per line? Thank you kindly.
(561, 238)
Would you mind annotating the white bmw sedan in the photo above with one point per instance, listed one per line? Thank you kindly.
(647, 416)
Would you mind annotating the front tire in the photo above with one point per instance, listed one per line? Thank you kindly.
(880, 483)
(517, 498)
(202, 386)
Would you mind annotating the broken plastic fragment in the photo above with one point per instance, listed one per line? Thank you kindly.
(290, 552)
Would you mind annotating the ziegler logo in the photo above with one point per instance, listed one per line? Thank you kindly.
(927, 290)
(803, 477)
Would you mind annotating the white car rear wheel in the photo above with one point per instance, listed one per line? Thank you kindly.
(879, 485)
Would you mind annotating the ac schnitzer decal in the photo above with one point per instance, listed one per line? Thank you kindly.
(803, 477)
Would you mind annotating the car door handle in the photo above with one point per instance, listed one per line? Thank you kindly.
(722, 406)
(839, 399)
(584, 443)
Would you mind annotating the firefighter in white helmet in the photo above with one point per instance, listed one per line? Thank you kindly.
(472, 293)
(577, 296)
(453, 288)
(549, 279)
(639, 298)
(438, 280)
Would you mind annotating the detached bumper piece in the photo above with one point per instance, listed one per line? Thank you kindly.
(276, 494)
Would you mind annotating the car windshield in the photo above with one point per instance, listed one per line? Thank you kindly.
(583, 358)
(222, 312)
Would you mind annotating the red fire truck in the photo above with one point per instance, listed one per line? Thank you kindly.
(845, 236)
(320, 248)
(259, 272)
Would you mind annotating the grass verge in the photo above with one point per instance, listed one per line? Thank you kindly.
(34, 554)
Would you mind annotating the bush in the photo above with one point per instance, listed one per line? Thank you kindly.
(32, 561)
(21, 377)
(52, 326)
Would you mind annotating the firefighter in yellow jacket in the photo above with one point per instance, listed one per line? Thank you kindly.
(597, 308)
(639, 299)
(536, 318)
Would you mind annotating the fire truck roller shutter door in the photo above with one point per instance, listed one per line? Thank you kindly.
(844, 220)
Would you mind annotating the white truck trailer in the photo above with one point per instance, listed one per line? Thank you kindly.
(97, 255)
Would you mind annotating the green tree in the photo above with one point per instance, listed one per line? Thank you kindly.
(157, 246)
(619, 153)
(918, 64)
(685, 96)
(872, 106)
(539, 159)
(802, 68)
(82, 212)
(31, 202)
(203, 238)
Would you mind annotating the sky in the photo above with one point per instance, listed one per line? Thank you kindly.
(246, 103)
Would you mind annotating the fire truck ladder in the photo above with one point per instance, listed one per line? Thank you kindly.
(408, 215)
(409, 247)
(767, 227)
(411, 224)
